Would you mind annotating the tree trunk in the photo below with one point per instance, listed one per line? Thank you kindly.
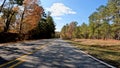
(1, 7)
(6, 28)
(21, 22)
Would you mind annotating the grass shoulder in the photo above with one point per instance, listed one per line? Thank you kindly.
(105, 50)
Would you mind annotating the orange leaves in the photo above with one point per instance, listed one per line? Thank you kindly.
(29, 2)
(32, 14)
(15, 9)
(67, 30)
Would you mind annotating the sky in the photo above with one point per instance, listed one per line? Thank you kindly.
(66, 11)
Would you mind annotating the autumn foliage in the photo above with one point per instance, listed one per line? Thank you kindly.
(22, 18)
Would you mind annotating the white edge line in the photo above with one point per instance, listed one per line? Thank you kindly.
(95, 58)
(98, 60)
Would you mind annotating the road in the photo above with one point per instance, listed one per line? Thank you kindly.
(46, 53)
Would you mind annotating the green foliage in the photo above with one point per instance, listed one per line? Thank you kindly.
(104, 23)
(64, 32)
(105, 30)
(76, 33)
(50, 26)
(45, 29)
(84, 31)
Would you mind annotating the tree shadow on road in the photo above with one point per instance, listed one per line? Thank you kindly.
(2, 60)
(60, 56)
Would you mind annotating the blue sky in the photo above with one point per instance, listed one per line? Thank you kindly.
(71, 10)
(66, 11)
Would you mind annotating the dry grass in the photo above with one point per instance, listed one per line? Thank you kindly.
(98, 42)
(106, 50)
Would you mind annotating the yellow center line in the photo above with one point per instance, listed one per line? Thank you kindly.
(12, 61)
(18, 63)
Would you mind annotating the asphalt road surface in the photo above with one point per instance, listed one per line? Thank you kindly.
(46, 53)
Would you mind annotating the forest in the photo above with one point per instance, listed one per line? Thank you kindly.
(104, 24)
(24, 19)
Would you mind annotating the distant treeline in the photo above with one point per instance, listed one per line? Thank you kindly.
(24, 19)
(104, 23)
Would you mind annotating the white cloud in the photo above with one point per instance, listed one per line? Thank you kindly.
(59, 9)
(58, 18)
